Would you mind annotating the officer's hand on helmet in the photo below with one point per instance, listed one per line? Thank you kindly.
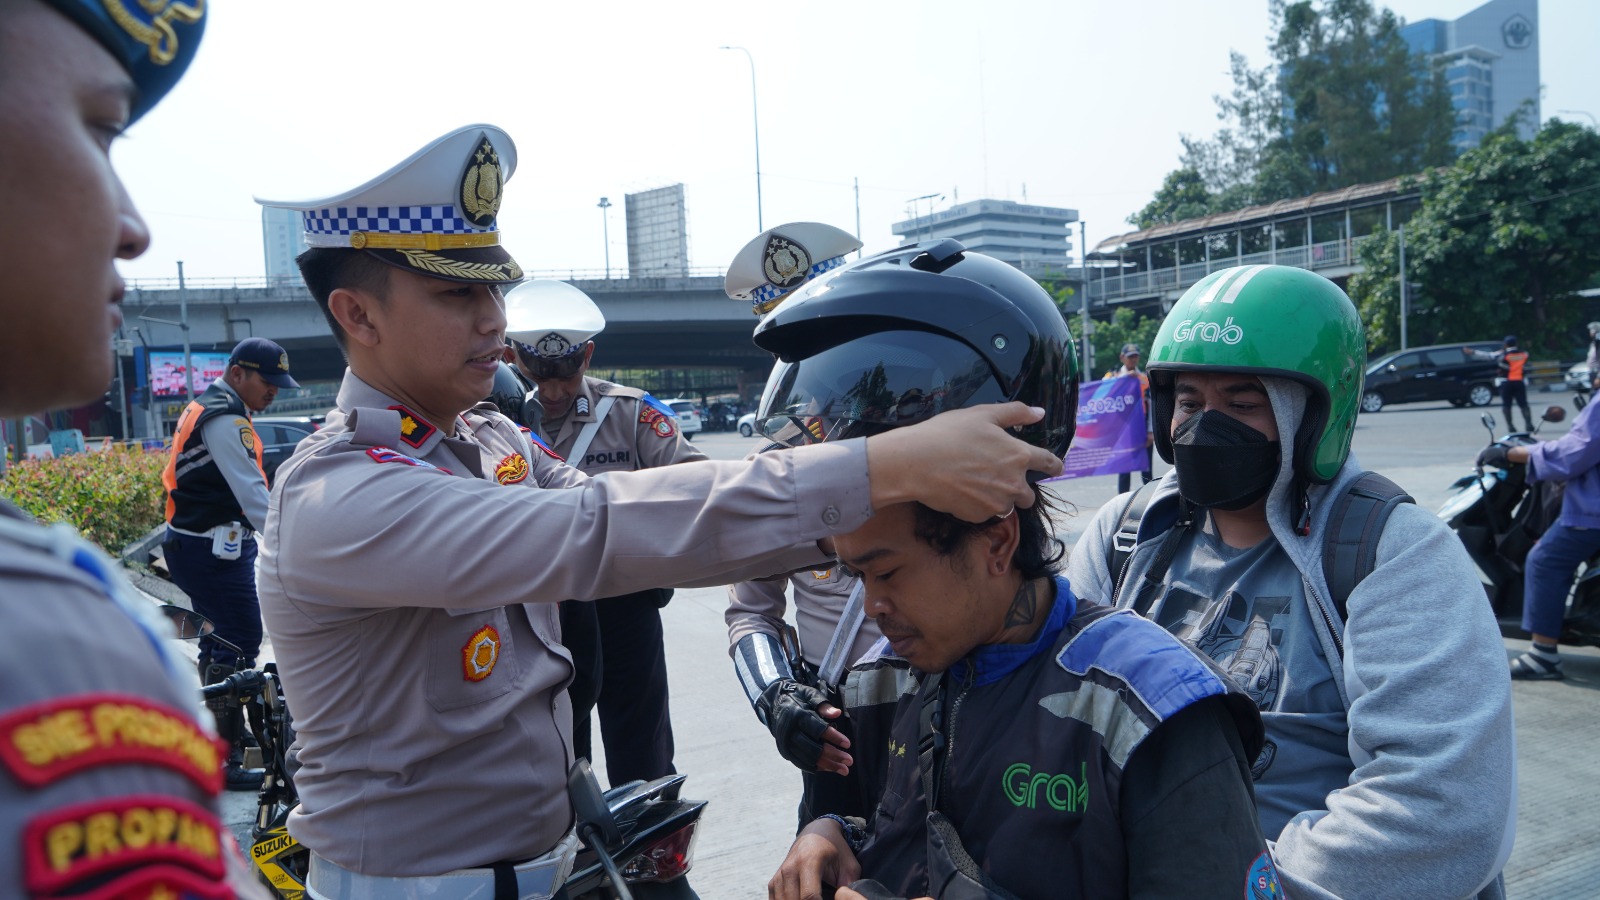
(797, 715)
(1495, 455)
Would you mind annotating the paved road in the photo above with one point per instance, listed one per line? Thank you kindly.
(730, 759)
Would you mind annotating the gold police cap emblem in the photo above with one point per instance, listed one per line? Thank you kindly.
(785, 262)
(480, 185)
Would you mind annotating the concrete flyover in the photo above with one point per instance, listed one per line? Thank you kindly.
(652, 322)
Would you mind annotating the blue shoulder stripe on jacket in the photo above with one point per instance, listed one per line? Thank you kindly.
(1164, 673)
(659, 406)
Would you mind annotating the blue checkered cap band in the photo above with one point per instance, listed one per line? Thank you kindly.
(341, 221)
(765, 293)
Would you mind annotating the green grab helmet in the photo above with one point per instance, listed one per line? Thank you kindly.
(1269, 320)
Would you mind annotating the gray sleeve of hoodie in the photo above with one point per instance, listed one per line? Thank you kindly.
(1429, 810)
(1086, 565)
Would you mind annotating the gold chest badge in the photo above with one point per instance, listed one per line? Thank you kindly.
(480, 654)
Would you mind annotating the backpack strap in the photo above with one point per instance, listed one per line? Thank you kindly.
(1350, 549)
(1126, 537)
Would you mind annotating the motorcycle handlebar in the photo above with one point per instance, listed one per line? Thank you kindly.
(245, 682)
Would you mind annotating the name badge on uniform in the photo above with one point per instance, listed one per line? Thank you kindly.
(227, 540)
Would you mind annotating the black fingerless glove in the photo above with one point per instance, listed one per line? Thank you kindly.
(1495, 455)
(790, 710)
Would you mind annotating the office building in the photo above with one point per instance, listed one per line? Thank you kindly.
(283, 239)
(1032, 238)
(658, 233)
(1491, 63)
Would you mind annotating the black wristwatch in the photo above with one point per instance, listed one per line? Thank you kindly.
(854, 834)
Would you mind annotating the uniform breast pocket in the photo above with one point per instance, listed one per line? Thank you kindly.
(471, 659)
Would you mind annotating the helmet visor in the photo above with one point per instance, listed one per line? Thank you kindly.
(872, 384)
(547, 367)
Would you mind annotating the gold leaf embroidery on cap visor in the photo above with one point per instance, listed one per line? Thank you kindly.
(450, 268)
(158, 35)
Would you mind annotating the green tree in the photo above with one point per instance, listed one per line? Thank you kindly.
(1183, 195)
(1503, 241)
(1344, 101)
(1124, 327)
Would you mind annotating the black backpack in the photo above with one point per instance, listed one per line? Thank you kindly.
(1349, 552)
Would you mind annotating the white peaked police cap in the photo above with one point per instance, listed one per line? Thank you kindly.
(432, 214)
(552, 319)
(780, 259)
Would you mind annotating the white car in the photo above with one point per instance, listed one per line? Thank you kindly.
(747, 424)
(1578, 377)
(689, 422)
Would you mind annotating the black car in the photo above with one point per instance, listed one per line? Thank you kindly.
(1439, 372)
(279, 436)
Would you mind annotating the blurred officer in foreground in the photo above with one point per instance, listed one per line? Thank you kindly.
(417, 545)
(598, 426)
(781, 666)
(1360, 631)
(216, 502)
(101, 729)
(1037, 728)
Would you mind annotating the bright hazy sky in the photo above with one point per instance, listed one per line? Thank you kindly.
(1075, 103)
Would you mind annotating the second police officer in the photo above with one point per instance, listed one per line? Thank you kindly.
(598, 426)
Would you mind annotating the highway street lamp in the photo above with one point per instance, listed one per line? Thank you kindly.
(755, 117)
(605, 231)
(1579, 112)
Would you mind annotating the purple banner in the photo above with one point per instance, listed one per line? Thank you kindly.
(1111, 429)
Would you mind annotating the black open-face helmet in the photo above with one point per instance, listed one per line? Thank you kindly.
(899, 337)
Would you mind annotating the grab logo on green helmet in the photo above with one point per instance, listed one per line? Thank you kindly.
(1227, 332)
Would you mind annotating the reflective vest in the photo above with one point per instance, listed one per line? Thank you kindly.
(1514, 360)
(199, 498)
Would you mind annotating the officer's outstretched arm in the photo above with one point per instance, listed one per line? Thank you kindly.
(961, 462)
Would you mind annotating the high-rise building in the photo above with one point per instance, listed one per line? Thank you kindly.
(1491, 62)
(1032, 238)
(658, 233)
(282, 238)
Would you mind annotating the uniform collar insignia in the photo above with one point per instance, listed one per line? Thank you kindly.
(581, 406)
(414, 429)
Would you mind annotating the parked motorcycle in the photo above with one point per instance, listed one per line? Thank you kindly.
(1499, 515)
(638, 838)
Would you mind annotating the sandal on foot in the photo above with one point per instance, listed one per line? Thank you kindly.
(1531, 667)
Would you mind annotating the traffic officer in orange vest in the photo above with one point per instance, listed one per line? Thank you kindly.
(216, 501)
(598, 426)
(1513, 385)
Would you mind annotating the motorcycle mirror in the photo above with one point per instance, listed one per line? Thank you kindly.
(1554, 414)
(589, 803)
(188, 623)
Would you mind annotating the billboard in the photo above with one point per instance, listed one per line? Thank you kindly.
(166, 371)
(658, 233)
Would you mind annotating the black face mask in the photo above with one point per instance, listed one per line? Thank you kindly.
(1222, 463)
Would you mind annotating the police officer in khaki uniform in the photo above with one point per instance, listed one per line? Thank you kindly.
(216, 501)
(109, 770)
(598, 426)
(416, 546)
(778, 673)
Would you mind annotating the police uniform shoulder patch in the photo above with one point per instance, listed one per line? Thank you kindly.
(512, 469)
(1263, 879)
(247, 437)
(663, 426)
(47, 741)
(414, 429)
(386, 455)
(481, 652)
(581, 405)
(71, 848)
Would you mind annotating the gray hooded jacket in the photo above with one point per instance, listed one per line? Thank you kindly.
(1429, 805)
